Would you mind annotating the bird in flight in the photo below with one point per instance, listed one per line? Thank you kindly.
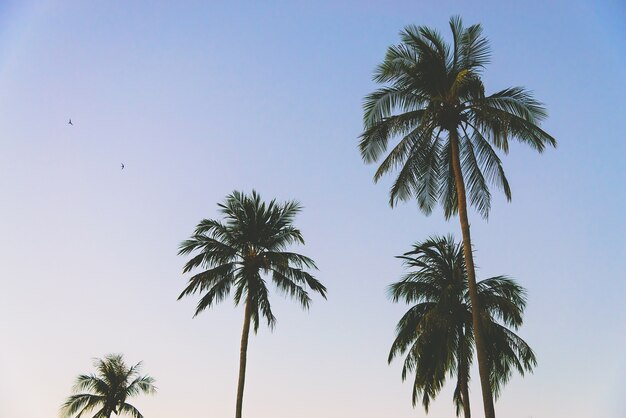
(122, 166)
(70, 122)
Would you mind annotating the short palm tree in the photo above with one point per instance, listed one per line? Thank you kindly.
(250, 243)
(448, 131)
(108, 389)
(436, 332)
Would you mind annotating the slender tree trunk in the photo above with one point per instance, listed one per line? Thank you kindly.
(483, 365)
(463, 375)
(243, 355)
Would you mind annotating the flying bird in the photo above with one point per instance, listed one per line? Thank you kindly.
(70, 122)
(122, 166)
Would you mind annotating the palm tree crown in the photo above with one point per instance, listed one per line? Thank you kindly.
(235, 253)
(432, 87)
(108, 389)
(436, 332)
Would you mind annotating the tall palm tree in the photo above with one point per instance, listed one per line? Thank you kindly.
(448, 133)
(108, 389)
(238, 252)
(436, 332)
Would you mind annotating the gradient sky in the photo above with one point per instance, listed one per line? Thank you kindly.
(197, 100)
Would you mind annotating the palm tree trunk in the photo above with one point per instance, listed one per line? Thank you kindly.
(483, 365)
(463, 371)
(243, 355)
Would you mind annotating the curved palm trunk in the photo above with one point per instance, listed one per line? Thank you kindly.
(243, 355)
(483, 365)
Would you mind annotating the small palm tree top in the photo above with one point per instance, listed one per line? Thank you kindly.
(108, 389)
(432, 88)
(237, 252)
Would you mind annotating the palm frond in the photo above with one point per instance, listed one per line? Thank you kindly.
(503, 299)
(498, 125)
(384, 101)
(128, 409)
(90, 383)
(285, 258)
(141, 384)
(406, 330)
(260, 304)
(416, 287)
(212, 252)
(447, 186)
(418, 176)
(456, 27)
(284, 237)
(290, 288)
(475, 51)
(79, 404)
(373, 141)
(397, 66)
(516, 101)
(217, 292)
(205, 280)
(477, 188)
(489, 162)
(507, 352)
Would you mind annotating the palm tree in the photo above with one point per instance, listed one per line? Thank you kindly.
(436, 332)
(108, 389)
(448, 132)
(251, 242)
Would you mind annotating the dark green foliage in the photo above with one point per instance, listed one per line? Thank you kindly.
(436, 332)
(248, 244)
(108, 389)
(432, 88)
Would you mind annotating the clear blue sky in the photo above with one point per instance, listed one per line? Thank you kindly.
(197, 100)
